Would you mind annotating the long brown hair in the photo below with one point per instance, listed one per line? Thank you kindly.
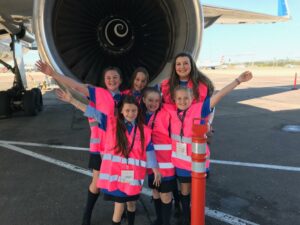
(122, 145)
(134, 74)
(196, 76)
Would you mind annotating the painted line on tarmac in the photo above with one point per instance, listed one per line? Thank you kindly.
(227, 218)
(43, 145)
(57, 162)
(146, 191)
(257, 165)
(222, 162)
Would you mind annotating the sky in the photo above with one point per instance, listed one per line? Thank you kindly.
(252, 42)
(247, 42)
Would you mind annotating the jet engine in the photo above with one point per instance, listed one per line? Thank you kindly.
(81, 38)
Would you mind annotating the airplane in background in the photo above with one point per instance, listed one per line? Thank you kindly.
(80, 38)
(207, 64)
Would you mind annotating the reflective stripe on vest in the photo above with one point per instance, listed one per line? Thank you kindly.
(93, 124)
(163, 147)
(183, 139)
(166, 165)
(119, 159)
(116, 178)
(94, 140)
(181, 157)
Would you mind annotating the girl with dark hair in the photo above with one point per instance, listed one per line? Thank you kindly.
(158, 120)
(139, 81)
(185, 73)
(102, 99)
(127, 153)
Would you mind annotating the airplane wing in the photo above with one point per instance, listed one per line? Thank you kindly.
(221, 15)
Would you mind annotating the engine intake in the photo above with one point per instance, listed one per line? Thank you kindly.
(80, 38)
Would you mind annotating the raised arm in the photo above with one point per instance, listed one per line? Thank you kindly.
(67, 97)
(244, 77)
(46, 69)
(88, 110)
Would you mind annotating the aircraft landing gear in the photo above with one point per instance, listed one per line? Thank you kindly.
(14, 99)
(18, 98)
(32, 102)
(5, 104)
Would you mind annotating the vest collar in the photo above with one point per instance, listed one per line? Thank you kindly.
(115, 93)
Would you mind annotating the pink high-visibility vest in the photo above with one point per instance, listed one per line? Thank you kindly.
(95, 146)
(183, 160)
(110, 177)
(165, 90)
(104, 102)
(162, 142)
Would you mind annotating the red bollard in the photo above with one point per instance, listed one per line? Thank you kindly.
(295, 82)
(199, 140)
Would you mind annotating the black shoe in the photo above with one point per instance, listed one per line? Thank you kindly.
(86, 222)
(156, 222)
(185, 222)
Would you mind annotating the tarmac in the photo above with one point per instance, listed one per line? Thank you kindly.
(255, 170)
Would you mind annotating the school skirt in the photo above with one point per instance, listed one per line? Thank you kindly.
(167, 184)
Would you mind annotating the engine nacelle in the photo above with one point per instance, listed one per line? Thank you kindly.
(80, 38)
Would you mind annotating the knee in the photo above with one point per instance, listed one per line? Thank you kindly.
(93, 188)
(185, 192)
(131, 206)
(155, 194)
(185, 189)
(166, 198)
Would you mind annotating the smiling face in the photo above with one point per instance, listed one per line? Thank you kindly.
(129, 111)
(140, 81)
(152, 101)
(112, 80)
(183, 67)
(183, 99)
